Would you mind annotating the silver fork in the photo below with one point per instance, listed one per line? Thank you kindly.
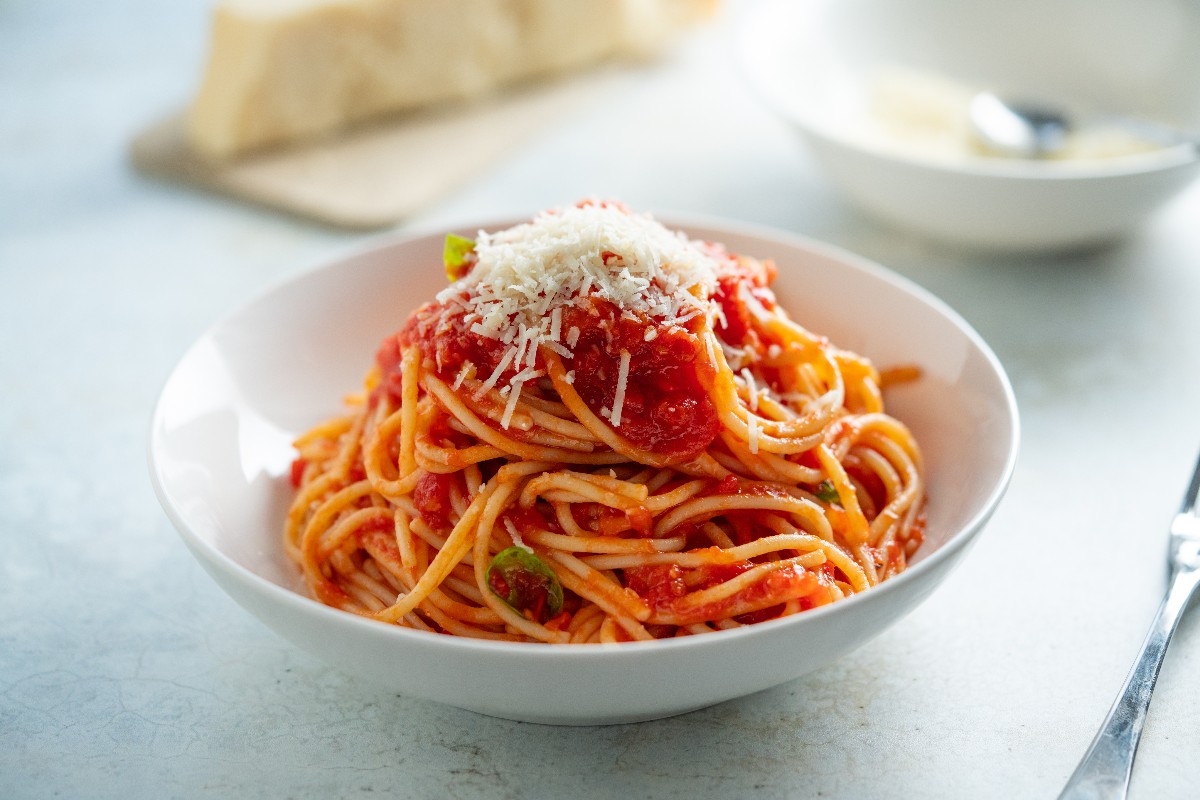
(1103, 774)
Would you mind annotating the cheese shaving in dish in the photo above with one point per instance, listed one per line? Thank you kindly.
(467, 368)
(523, 276)
(516, 537)
(622, 381)
(752, 387)
(497, 372)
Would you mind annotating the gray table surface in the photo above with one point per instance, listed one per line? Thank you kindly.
(125, 672)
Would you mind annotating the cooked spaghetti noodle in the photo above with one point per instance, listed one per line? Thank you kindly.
(602, 431)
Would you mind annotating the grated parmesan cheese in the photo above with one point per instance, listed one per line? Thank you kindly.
(467, 368)
(511, 405)
(513, 390)
(524, 276)
(524, 272)
(622, 381)
(752, 386)
(516, 535)
(487, 385)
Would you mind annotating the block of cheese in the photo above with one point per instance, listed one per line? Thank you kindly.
(281, 71)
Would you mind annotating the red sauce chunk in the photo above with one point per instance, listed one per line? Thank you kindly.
(297, 472)
(735, 326)
(666, 408)
(388, 359)
(665, 587)
(658, 584)
(537, 518)
(431, 496)
(444, 337)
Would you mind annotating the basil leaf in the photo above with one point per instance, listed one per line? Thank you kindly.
(457, 254)
(523, 581)
(826, 493)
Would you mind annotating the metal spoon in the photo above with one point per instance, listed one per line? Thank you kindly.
(1104, 772)
(1035, 130)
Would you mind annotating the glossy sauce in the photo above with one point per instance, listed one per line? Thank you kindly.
(664, 587)
(735, 326)
(666, 409)
(431, 496)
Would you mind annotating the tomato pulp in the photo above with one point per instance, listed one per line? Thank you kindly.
(666, 407)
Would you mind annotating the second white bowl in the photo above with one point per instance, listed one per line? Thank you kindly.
(818, 63)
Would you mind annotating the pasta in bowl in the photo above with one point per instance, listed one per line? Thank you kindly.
(601, 439)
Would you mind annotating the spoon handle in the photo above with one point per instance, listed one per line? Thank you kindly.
(1103, 774)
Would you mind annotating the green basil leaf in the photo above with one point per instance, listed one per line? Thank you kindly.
(523, 581)
(826, 493)
(457, 255)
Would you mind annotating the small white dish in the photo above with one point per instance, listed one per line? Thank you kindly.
(829, 68)
(219, 455)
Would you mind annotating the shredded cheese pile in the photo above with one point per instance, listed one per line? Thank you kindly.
(527, 273)
(524, 276)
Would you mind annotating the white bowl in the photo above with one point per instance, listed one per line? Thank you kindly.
(220, 451)
(818, 64)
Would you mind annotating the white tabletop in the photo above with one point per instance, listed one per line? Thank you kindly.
(125, 672)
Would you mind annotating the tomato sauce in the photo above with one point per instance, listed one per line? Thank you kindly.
(537, 518)
(666, 408)
(445, 338)
(731, 486)
(431, 496)
(296, 474)
(736, 327)
(609, 521)
(388, 358)
(663, 587)
(743, 521)
(658, 584)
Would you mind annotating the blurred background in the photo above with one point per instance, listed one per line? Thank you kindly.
(125, 672)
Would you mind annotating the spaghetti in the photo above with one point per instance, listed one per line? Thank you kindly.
(602, 431)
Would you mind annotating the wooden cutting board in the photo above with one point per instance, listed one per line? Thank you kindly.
(376, 176)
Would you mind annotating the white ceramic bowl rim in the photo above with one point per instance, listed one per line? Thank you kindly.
(632, 650)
